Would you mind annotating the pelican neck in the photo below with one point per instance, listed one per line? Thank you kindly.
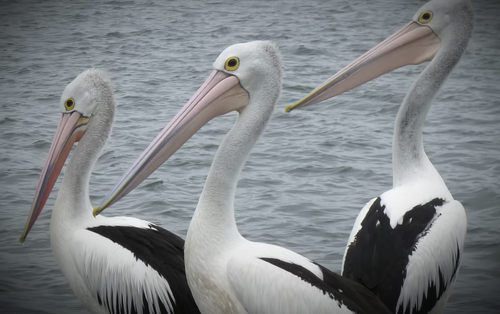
(216, 205)
(410, 161)
(75, 183)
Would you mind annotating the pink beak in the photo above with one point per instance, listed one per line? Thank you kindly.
(220, 94)
(71, 128)
(413, 44)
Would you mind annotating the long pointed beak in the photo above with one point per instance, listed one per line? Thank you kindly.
(220, 94)
(71, 128)
(413, 44)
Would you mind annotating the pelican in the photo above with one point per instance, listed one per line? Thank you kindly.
(226, 272)
(406, 245)
(114, 265)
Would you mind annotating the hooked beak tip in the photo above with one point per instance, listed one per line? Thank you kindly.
(291, 107)
(96, 211)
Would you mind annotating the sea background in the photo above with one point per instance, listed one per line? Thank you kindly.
(308, 176)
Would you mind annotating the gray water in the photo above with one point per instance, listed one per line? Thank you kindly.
(309, 175)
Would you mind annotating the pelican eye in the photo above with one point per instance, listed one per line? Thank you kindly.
(232, 64)
(69, 104)
(425, 17)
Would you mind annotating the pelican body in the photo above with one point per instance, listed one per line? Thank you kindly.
(406, 245)
(226, 272)
(114, 265)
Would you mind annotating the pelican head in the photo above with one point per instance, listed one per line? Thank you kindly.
(239, 70)
(437, 25)
(81, 100)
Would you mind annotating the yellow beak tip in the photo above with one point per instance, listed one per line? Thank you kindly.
(288, 109)
(22, 239)
(96, 211)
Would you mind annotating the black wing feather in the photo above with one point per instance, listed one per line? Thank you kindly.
(379, 255)
(354, 296)
(161, 250)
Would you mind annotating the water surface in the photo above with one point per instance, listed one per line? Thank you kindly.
(309, 175)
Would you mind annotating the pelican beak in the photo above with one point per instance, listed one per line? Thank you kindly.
(71, 128)
(220, 94)
(413, 44)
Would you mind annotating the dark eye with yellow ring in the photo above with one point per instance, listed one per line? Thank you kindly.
(425, 17)
(232, 64)
(69, 104)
